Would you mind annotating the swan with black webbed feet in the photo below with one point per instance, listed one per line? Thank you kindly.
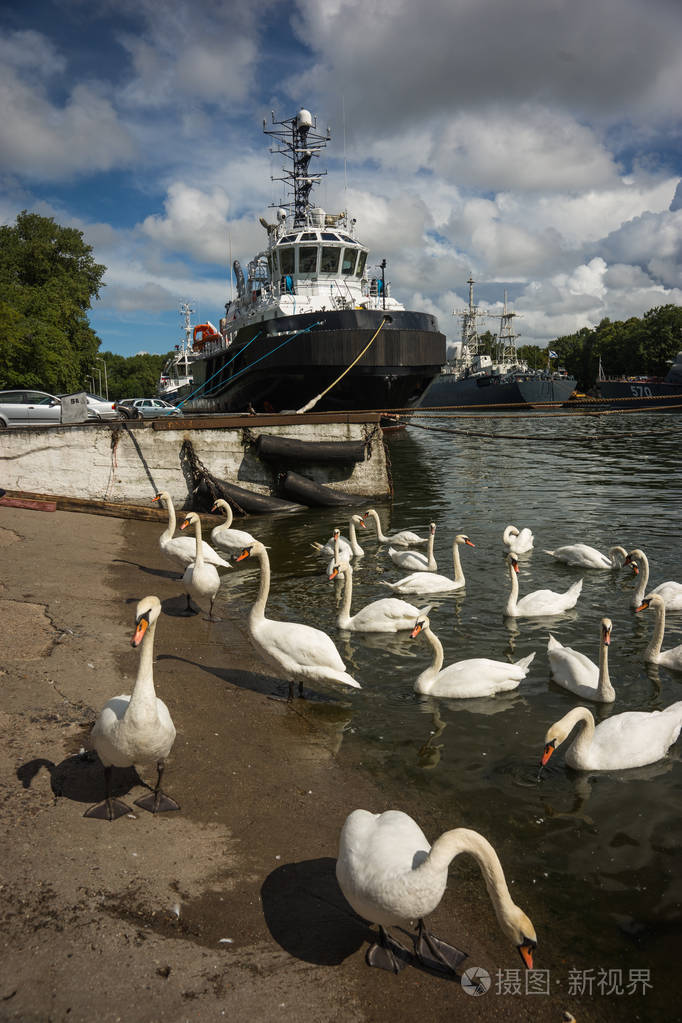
(391, 875)
(577, 673)
(404, 538)
(389, 614)
(135, 729)
(518, 541)
(539, 602)
(231, 540)
(300, 653)
(668, 658)
(201, 580)
(669, 591)
(468, 679)
(433, 582)
(183, 549)
(632, 739)
(581, 555)
(415, 560)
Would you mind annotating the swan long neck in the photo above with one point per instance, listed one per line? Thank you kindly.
(457, 564)
(199, 560)
(170, 508)
(583, 740)
(344, 613)
(377, 522)
(428, 676)
(228, 514)
(514, 595)
(463, 840)
(143, 696)
(258, 609)
(640, 589)
(604, 687)
(654, 647)
(429, 549)
(622, 555)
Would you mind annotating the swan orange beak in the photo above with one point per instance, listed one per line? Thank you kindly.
(416, 630)
(635, 568)
(515, 566)
(185, 524)
(244, 554)
(549, 749)
(643, 606)
(157, 498)
(140, 629)
(607, 637)
(526, 953)
(469, 543)
(334, 573)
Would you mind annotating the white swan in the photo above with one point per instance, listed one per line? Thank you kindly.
(231, 540)
(347, 548)
(576, 672)
(431, 582)
(668, 658)
(670, 591)
(517, 541)
(540, 602)
(201, 580)
(632, 739)
(300, 653)
(405, 538)
(183, 549)
(391, 875)
(583, 556)
(135, 729)
(386, 615)
(477, 676)
(415, 560)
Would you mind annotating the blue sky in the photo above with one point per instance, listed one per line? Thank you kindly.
(536, 145)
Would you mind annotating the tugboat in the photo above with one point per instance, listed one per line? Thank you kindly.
(312, 326)
(475, 379)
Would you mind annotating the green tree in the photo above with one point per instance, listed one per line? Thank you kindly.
(48, 279)
(133, 377)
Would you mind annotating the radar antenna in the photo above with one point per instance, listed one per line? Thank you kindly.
(299, 141)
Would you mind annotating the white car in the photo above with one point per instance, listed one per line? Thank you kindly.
(102, 408)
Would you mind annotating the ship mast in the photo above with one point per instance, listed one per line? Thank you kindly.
(470, 339)
(186, 310)
(299, 141)
(507, 338)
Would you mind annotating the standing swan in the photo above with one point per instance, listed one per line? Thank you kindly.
(405, 538)
(517, 542)
(183, 549)
(390, 875)
(135, 729)
(200, 580)
(231, 540)
(415, 560)
(431, 582)
(386, 615)
(670, 591)
(477, 676)
(576, 672)
(300, 653)
(632, 739)
(584, 556)
(668, 658)
(540, 602)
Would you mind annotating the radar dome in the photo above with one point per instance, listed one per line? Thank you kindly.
(281, 215)
(304, 119)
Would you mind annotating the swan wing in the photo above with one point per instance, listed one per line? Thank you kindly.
(301, 652)
(581, 555)
(405, 538)
(409, 560)
(424, 582)
(389, 614)
(671, 593)
(232, 540)
(632, 739)
(547, 602)
(568, 664)
(478, 676)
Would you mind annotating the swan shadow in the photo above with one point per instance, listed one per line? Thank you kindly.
(537, 623)
(80, 778)
(160, 573)
(307, 915)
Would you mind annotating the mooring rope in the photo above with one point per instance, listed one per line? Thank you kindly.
(313, 401)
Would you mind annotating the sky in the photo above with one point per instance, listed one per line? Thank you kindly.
(535, 145)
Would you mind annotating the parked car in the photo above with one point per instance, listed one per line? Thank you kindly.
(100, 408)
(147, 408)
(24, 407)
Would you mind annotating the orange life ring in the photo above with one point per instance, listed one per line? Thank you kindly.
(208, 332)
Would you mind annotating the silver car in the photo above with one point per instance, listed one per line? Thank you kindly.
(24, 407)
(147, 408)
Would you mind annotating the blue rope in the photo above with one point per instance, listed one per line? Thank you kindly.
(206, 382)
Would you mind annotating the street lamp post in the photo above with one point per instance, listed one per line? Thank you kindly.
(99, 358)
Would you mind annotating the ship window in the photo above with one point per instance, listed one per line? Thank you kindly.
(289, 238)
(330, 259)
(307, 259)
(286, 260)
(309, 236)
(327, 236)
(348, 263)
(361, 264)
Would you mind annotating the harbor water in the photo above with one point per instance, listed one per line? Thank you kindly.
(594, 857)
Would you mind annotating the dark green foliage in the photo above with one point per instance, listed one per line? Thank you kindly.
(638, 346)
(134, 377)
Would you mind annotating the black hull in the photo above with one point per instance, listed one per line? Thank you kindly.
(271, 366)
(524, 391)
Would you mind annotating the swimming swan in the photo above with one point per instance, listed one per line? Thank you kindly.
(201, 580)
(390, 614)
(670, 591)
(431, 582)
(300, 653)
(632, 739)
(540, 602)
(135, 729)
(391, 875)
(347, 548)
(231, 540)
(517, 542)
(583, 556)
(478, 676)
(405, 538)
(576, 672)
(668, 658)
(415, 560)
(183, 549)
